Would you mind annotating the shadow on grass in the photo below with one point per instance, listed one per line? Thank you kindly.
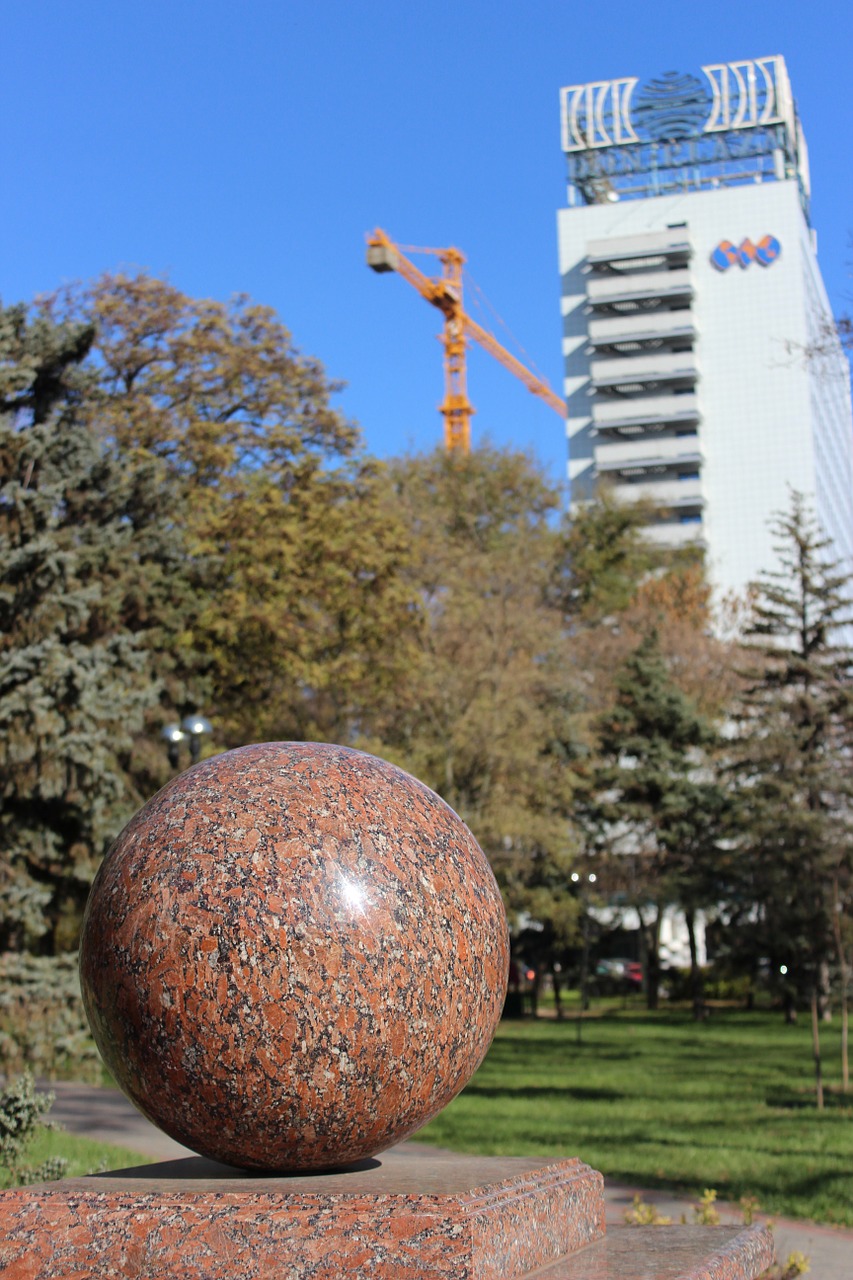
(508, 1048)
(803, 1099)
(819, 1184)
(543, 1091)
(663, 1020)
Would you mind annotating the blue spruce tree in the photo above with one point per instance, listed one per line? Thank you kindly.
(78, 533)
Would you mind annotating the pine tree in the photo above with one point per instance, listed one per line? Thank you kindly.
(793, 760)
(650, 809)
(75, 679)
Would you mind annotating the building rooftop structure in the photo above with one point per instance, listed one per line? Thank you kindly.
(680, 133)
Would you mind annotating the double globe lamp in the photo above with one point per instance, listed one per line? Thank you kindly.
(191, 729)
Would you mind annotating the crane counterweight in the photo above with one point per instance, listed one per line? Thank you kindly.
(381, 257)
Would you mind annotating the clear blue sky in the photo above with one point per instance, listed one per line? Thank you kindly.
(248, 145)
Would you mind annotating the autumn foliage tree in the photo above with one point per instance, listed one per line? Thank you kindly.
(185, 520)
(295, 546)
(484, 710)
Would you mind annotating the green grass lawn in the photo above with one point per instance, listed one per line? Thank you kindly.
(661, 1101)
(83, 1155)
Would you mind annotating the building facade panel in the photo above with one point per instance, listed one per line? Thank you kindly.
(692, 309)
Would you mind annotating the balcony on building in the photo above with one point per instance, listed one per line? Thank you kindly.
(645, 372)
(639, 331)
(668, 248)
(645, 289)
(627, 416)
(673, 492)
(679, 453)
(676, 533)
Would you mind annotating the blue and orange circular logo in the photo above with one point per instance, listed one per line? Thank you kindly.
(728, 254)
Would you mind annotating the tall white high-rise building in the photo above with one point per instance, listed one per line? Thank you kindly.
(693, 307)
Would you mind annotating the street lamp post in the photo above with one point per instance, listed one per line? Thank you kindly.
(584, 992)
(191, 730)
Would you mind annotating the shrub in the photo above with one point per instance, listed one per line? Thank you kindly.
(719, 982)
(21, 1111)
(42, 1024)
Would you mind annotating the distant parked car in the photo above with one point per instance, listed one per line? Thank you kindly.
(616, 976)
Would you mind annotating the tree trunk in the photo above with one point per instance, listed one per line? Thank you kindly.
(818, 1076)
(844, 975)
(845, 1062)
(558, 996)
(584, 976)
(650, 938)
(824, 1005)
(697, 985)
(789, 1005)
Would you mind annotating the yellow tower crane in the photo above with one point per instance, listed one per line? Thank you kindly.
(445, 292)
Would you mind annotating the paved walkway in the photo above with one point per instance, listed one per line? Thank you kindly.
(105, 1115)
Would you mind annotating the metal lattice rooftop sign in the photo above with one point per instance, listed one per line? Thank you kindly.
(677, 131)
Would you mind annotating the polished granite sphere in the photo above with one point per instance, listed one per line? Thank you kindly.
(293, 956)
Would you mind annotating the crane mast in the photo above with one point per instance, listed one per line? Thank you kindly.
(445, 293)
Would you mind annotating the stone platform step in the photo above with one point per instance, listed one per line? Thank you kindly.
(667, 1253)
(394, 1217)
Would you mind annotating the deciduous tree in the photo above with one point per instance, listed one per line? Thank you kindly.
(484, 713)
(301, 612)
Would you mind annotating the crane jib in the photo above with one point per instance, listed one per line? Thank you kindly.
(445, 292)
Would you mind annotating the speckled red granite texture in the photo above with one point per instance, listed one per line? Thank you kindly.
(293, 956)
(670, 1253)
(407, 1219)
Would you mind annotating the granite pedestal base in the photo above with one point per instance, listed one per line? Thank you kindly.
(396, 1217)
(410, 1218)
